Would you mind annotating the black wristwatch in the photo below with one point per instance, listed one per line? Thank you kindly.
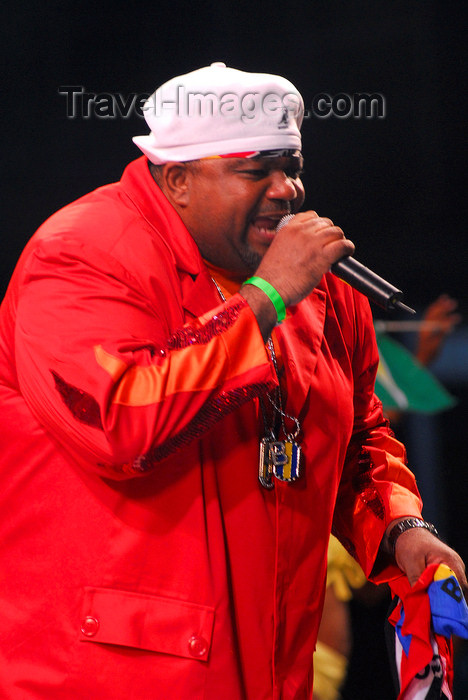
(408, 524)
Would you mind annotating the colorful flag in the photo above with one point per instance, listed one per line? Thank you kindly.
(404, 384)
(419, 630)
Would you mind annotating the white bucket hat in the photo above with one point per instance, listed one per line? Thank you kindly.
(220, 111)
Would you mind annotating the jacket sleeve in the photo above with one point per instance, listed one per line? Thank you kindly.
(105, 374)
(376, 485)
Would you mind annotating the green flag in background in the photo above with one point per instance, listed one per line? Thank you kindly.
(403, 383)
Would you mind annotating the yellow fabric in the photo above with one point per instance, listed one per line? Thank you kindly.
(443, 571)
(329, 672)
(343, 572)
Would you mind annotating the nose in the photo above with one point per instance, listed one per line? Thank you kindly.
(281, 186)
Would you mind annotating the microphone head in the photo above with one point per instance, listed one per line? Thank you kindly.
(283, 221)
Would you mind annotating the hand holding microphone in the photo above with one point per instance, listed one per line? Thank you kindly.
(297, 259)
(364, 280)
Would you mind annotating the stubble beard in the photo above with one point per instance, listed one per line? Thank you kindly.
(251, 259)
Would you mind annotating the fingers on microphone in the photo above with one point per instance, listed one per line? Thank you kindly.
(328, 222)
(331, 231)
(339, 247)
(311, 224)
(323, 222)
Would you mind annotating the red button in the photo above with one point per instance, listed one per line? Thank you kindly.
(198, 646)
(90, 626)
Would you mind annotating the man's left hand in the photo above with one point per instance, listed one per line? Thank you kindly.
(417, 548)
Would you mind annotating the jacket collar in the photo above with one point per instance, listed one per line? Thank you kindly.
(199, 293)
(139, 185)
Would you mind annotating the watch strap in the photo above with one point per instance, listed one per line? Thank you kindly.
(408, 524)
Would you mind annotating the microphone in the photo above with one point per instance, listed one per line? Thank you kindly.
(364, 280)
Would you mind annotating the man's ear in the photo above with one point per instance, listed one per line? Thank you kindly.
(176, 181)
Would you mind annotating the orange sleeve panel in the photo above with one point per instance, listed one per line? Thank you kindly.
(109, 380)
(205, 371)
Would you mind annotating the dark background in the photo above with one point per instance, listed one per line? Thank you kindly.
(396, 185)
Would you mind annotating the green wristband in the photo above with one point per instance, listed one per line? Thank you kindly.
(272, 295)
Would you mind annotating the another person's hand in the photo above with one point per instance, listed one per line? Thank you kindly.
(443, 316)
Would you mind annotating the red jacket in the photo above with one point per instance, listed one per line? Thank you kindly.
(139, 556)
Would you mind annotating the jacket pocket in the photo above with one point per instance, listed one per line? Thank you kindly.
(149, 622)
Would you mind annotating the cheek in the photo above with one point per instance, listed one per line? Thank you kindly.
(300, 196)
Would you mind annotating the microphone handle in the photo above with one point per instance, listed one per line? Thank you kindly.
(374, 287)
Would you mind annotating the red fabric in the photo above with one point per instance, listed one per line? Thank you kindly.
(129, 455)
(417, 624)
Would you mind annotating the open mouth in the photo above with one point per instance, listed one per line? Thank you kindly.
(266, 225)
